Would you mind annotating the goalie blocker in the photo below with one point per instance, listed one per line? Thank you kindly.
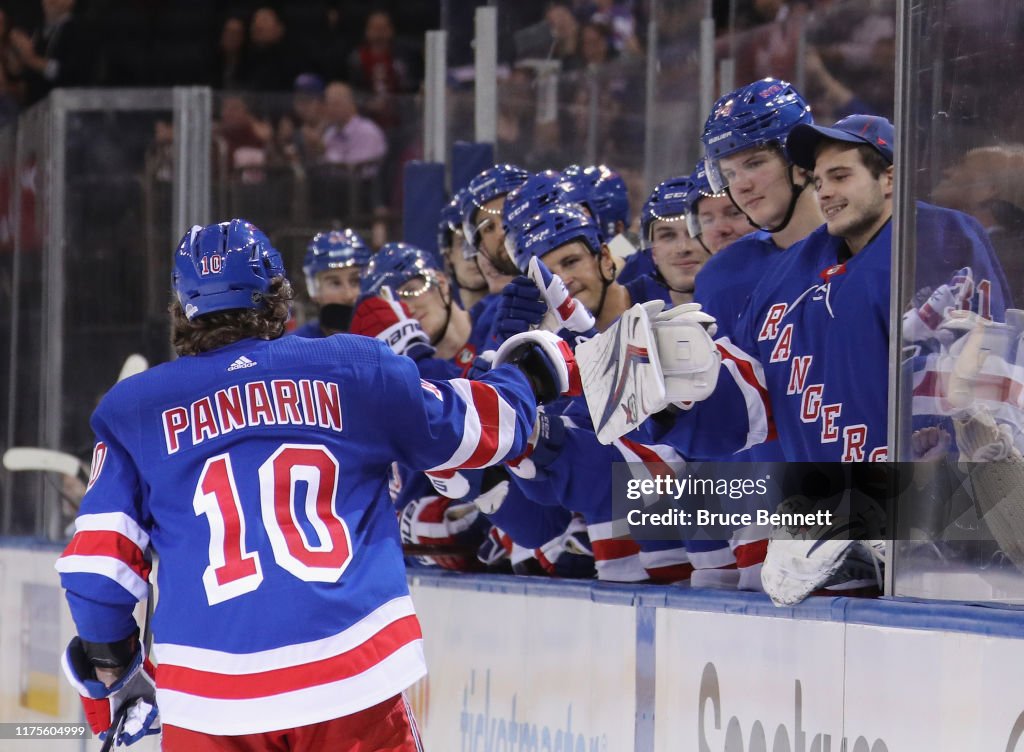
(650, 358)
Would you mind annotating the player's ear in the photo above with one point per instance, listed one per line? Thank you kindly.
(887, 180)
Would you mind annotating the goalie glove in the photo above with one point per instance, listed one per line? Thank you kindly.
(102, 704)
(648, 359)
(438, 521)
(390, 322)
(564, 311)
(546, 360)
(520, 308)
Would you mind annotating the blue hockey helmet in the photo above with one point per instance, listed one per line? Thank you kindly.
(224, 266)
(335, 249)
(450, 220)
(394, 265)
(612, 198)
(492, 183)
(540, 191)
(578, 188)
(758, 114)
(549, 230)
(670, 201)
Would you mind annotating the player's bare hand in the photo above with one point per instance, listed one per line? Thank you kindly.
(930, 444)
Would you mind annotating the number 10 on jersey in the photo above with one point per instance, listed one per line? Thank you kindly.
(233, 570)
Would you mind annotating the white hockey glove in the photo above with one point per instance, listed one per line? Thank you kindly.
(648, 359)
(564, 311)
(102, 703)
(546, 360)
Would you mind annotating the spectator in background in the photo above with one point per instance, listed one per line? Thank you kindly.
(230, 55)
(988, 184)
(301, 132)
(270, 64)
(12, 86)
(619, 19)
(243, 140)
(565, 35)
(58, 54)
(382, 67)
(349, 138)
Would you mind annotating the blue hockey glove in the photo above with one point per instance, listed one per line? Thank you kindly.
(519, 309)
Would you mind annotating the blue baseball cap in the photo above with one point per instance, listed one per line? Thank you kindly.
(803, 141)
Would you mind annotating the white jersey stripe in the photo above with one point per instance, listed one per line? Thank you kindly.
(203, 659)
(116, 522)
(386, 679)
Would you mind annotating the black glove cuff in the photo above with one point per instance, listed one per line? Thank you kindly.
(111, 654)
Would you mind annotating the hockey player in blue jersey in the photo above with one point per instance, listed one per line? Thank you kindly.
(283, 606)
(461, 266)
(744, 140)
(566, 464)
(716, 221)
(333, 264)
(666, 229)
(809, 355)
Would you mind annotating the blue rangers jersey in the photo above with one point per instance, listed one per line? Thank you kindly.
(723, 288)
(310, 330)
(727, 279)
(810, 354)
(258, 472)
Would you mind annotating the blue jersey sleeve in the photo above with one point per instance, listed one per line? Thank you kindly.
(105, 568)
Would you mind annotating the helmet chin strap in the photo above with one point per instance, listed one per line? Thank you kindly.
(660, 279)
(435, 341)
(605, 284)
(795, 191)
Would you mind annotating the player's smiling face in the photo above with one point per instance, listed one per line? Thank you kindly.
(338, 286)
(720, 222)
(854, 202)
(759, 184)
(425, 297)
(580, 271)
(677, 256)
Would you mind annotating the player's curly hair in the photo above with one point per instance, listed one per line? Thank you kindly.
(205, 333)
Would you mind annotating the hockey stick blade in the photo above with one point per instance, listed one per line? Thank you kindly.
(438, 549)
(45, 460)
(133, 364)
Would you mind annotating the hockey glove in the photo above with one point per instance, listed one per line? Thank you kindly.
(565, 311)
(482, 363)
(569, 555)
(923, 322)
(495, 549)
(438, 521)
(102, 703)
(520, 308)
(390, 322)
(544, 446)
(546, 360)
(647, 360)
